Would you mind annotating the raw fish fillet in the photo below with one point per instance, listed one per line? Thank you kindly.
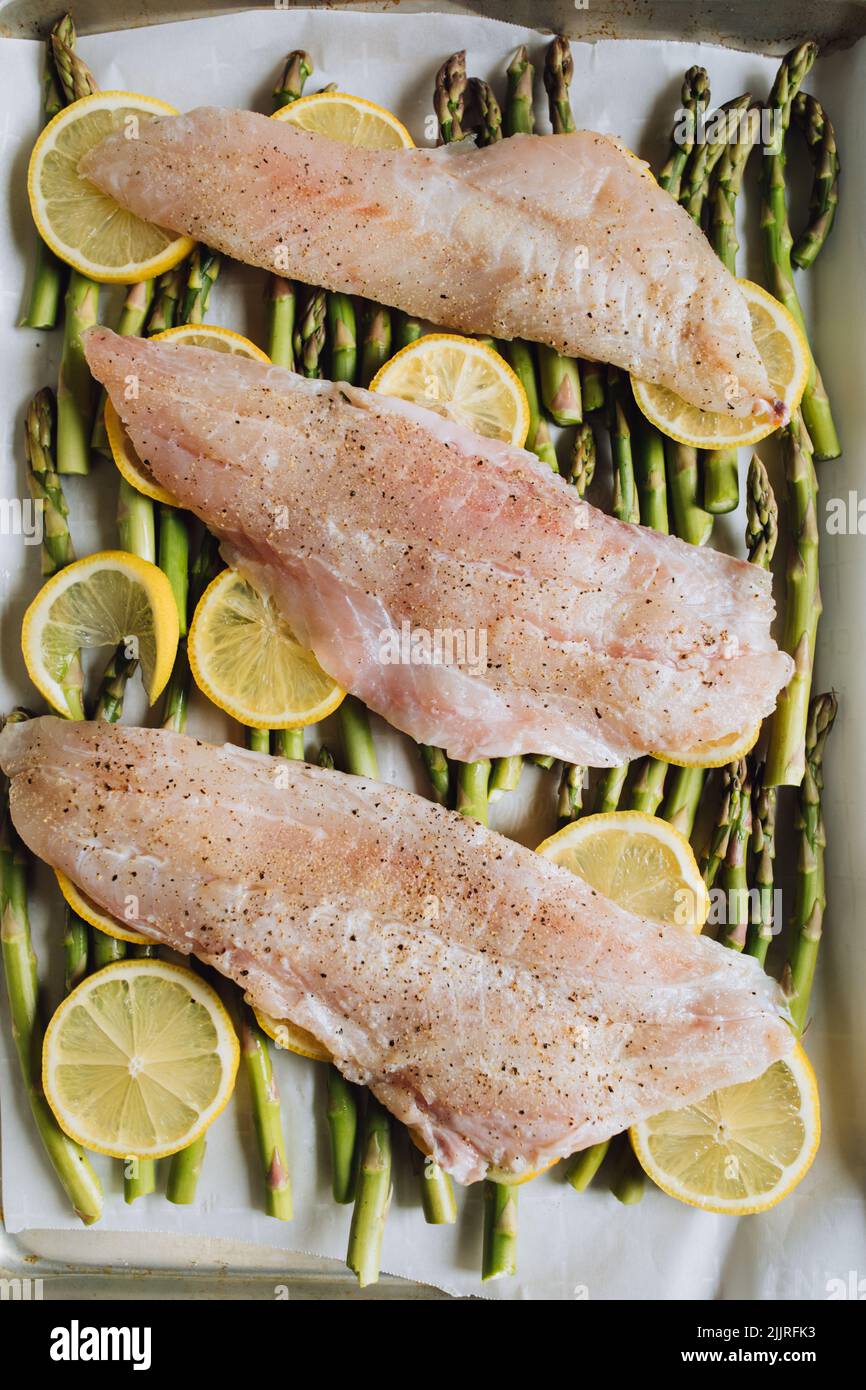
(498, 1006)
(367, 518)
(564, 239)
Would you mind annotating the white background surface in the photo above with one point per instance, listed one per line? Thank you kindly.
(570, 1246)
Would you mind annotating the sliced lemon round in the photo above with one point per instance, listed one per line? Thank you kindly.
(246, 659)
(351, 120)
(84, 226)
(716, 752)
(462, 379)
(207, 335)
(741, 1149)
(139, 1059)
(94, 916)
(638, 861)
(785, 354)
(101, 601)
(290, 1037)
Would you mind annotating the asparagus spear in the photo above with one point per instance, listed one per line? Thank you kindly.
(166, 298)
(762, 516)
(281, 321)
(44, 301)
(695, 97)
(682, 797)
(721, 476)
(810, 900)
(733, 779)
(75, 78)
(690, 521)
(486, 116)
(343, 332)
(75, 385)
(297, 68)
(267, 1114)
(449, 97)
(648, 787)
(519, 116)
(558, 72)
(373, 1195)
(44, 482)
(763, 850)
(734, 870)
(68, 1159)
(624, 504)
(203, 267)
(809, 116)
(786, 753)
(376, 342)
(499, 1255)
(519, 357)
(649, 472)
(75, 391)
(310, 334)
(815, 405)
(706, 155)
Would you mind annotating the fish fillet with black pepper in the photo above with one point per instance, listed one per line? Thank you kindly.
(497, 1005)
(609, 267)
(375, 524)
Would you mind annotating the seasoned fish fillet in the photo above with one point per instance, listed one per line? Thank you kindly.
(563, 239)
(505, 1011)
(368, 519)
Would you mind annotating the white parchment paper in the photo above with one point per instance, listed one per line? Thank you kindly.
(571, 1247)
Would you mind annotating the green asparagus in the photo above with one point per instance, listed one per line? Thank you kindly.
(809, 116)
(44, 482)
(695, 97)
(373, 1195)
(343, 333)
(44, 302)
(720, 466)
(519, 115)
(763, 854)
(810, 898)
(786, 753)
(202, 269)
(267, 1117)
(778, 241)
(69, 1161)
(449, 97)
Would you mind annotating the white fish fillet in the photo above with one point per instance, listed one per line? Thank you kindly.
(360, 514)
(563, 239)
(497, 1005)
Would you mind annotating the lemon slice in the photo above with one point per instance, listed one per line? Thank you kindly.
(139, 1059)
(464, 380)
(94, 916)
(351, 120)
(246, 659)
(638, 861)
(82, 225)
(292, 1038)
(741, 1149)
(105, 599)
(206, 335)
(785, 354)
(715, 752)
